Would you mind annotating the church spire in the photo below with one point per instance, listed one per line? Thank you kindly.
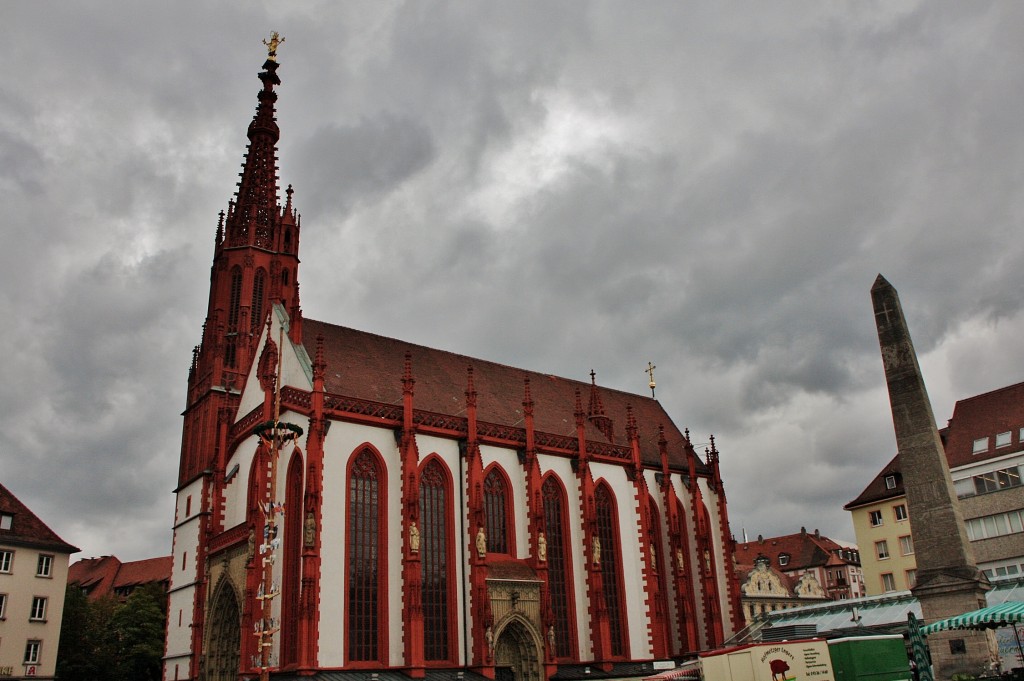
(252, 218)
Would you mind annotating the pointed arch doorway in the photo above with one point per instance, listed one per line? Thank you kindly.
(517, 653)
(224, 635)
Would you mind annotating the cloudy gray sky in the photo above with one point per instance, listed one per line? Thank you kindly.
(712, 187)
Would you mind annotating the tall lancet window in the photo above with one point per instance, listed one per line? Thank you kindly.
(497, 508)
(258, 288)
(611, 569)
(436, 537)
(234, 304)
(559, 570)
(657, 549)
(366, 549)
(292, 569)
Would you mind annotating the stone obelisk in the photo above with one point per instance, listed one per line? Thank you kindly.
(948, 580)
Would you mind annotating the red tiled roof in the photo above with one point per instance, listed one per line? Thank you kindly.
(101, 576)
(986, 415)
(510, 568)
(137, 572)
(26, 527)
(805, 550)
(369, 367)
(95, 575)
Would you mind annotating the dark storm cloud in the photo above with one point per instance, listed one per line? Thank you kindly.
(711, 187)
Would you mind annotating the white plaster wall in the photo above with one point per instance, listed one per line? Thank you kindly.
(186, 536)
(237, 491)
(179, 636)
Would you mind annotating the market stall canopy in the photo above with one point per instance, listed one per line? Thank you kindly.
(1004, 614)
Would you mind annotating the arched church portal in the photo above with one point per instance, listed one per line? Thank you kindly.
(517, 652)
(224, 635)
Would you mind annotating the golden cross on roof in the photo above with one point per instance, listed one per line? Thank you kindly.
(650, 372)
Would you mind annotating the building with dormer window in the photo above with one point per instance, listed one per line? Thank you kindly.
(984, 446)
(33, 576)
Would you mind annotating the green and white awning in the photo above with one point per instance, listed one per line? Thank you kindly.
(1004, 614)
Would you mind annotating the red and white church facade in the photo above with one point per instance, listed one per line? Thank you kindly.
(439, 513)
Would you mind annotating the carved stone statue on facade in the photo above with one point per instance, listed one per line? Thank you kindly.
(250, 551)
(481, 542)
(309, 531)
(542, 548)
(595, 556)
(414, 538)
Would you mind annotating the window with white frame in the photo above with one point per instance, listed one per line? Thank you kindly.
(6, 521)
(783, 559)
(1002, 439)
(906, 545)
(38, 611)
(890, 482)
(882, 549)
(888, 582)
(44, 566)
(900, 511)
(6, 560)
(3, 606)
(980, 445)
(32, 649)
(875, 518)
(996, 525)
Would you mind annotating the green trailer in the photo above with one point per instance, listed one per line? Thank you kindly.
(870, 658)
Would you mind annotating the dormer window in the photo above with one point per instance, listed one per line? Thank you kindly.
(1002, 439)
(890, 482)
(783, 559)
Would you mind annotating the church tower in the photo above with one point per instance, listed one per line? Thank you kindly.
(255, 264)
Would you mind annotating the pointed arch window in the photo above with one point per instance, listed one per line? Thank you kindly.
(611, 569)
(435, 562)
(366, 551)
(292, 550)
(259, 284)
(235, 298)
(657, 561)
(559, 567)
(498, 512)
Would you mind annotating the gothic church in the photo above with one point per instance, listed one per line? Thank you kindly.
(347, 501)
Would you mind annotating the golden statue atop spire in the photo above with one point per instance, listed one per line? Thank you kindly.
(275, 40)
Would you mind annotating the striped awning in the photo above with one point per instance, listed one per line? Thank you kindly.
(1004, 614)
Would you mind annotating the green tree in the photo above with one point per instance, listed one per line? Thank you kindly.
(87, 651)
(138, 628)
(105, 640)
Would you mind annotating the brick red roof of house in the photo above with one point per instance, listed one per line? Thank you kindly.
(104, 575)
(805, 550)
(370, 367)
(877, 490)
(985, 415)
(26, 527)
